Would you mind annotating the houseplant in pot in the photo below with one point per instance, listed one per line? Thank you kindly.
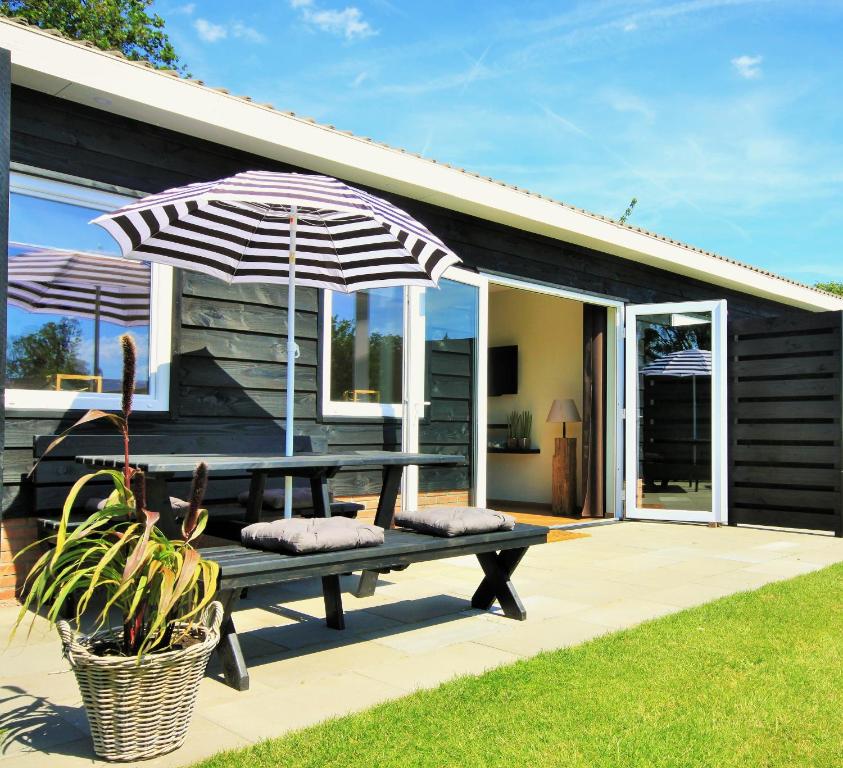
(139, 679)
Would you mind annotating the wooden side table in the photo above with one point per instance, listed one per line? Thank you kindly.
(564, 496)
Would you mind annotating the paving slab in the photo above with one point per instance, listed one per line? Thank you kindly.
(417, 631)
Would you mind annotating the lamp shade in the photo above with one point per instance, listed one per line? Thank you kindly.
(563, 411)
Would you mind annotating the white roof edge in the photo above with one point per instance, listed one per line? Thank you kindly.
(46, 62)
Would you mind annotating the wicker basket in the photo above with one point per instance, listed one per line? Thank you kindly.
(137, 711)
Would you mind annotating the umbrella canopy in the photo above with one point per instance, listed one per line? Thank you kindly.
(685, 362)
(289, 228)
(240, 229)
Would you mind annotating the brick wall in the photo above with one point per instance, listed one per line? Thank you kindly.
(15, 534)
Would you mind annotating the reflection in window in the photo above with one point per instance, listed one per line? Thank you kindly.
(70, 299)
(674, 366)
(366, 345)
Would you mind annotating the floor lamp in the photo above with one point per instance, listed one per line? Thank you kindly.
(564, 493)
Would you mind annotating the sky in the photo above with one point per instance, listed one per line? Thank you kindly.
(724, 118)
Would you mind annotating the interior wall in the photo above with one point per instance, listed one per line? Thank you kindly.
(548, 333)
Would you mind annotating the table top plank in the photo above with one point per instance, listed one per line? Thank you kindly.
(178, 463)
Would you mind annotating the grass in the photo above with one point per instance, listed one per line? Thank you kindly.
(755, 679)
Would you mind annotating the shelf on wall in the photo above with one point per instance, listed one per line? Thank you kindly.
(496, 449)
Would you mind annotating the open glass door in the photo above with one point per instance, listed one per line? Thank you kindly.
(443, 375)
(676, 412)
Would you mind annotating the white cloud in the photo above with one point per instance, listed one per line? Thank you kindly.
(625, 101)
(210, 32)
(748, 67)
(360, 79)
(182, 10)
(347, 23)
(244, 32)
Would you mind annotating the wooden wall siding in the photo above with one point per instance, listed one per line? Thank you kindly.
(447, 427)
(229, 340)
(786, 437)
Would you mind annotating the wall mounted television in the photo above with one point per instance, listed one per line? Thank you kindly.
(503, 371)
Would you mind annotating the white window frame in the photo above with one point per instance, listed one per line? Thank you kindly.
(160, 310)
(342, 408)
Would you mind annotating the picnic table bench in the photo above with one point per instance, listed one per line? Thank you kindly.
(498, 553)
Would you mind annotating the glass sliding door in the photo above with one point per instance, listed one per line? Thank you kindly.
(443, 370)
(676, 412)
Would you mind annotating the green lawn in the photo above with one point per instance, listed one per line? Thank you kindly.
(753, 680)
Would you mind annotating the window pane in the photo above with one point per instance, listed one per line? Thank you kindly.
(674, 450)
(70, 299)
(451, 318)
(366, 342)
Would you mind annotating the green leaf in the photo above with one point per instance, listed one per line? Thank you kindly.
(91, 415)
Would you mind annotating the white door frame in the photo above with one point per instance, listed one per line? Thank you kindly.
(412, 391)
(719, 512)
(414, 379)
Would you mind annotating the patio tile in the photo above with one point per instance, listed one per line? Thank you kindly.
(416, 631)
(547, 635)
(625, 613)
(259, 717)
(784, 569)
(428, 670)
(440, 633)
(689, 594)
(294, 668)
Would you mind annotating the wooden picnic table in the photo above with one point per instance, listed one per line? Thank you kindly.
(318, 468)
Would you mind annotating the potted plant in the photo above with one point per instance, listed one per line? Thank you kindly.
(138, 680)
(526, 430)
(513, 423)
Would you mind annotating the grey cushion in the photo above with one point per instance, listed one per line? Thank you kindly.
(95, 505)
(298, 535)
(273, 498)
(455, 521)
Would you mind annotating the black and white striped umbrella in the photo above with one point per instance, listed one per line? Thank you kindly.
(79, 284)
(244, 228)
(290, 228)
(685, 362)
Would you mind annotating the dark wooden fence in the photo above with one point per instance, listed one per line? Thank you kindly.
(785, 433)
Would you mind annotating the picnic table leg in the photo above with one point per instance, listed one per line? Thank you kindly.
(234, 668)
(254, 504)
(332, 594)
(321, 497)
(383, 517)
(158, 500)
(497, 583)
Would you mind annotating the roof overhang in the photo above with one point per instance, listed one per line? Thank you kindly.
(63, 68)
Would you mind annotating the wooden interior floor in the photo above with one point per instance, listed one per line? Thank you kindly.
(531, 514)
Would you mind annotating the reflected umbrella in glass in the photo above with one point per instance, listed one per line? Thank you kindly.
(79, 284)
(689, 363)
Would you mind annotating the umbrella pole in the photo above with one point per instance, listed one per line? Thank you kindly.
(292, 351)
